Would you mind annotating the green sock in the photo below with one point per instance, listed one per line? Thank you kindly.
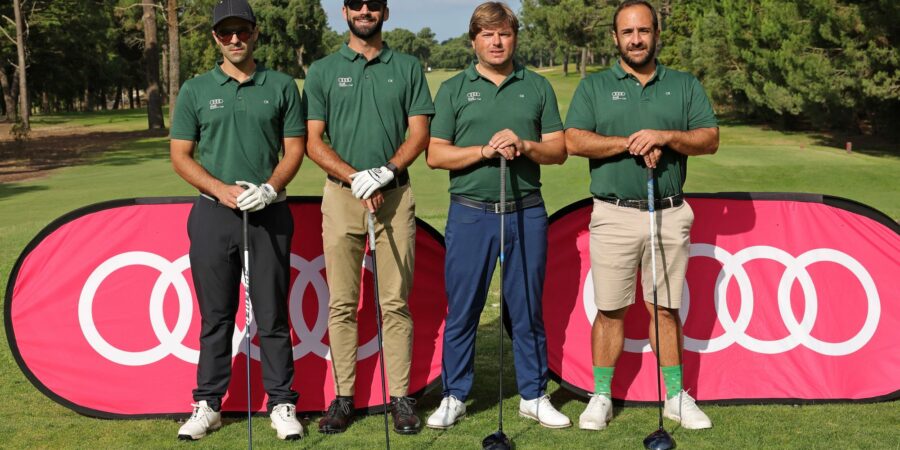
(672, 377)
(603, 380)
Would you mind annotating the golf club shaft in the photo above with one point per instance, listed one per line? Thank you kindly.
(502, 253)
(652, 208)
(247, 308)
(387, 437)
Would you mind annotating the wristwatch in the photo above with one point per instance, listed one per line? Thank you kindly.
(392, 167)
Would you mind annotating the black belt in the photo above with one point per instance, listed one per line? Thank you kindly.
(528, 201)
(402, 179)
(663, 203)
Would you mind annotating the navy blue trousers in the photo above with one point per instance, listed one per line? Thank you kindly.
(473, 247)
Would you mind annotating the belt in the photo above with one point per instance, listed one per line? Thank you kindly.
(663, 203)
(402, 179)
(282, 196)
(528, 201)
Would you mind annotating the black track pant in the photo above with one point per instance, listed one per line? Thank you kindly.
(216, 252)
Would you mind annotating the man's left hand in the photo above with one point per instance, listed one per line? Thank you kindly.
(644, 141)
(368, 181)
(255, 198)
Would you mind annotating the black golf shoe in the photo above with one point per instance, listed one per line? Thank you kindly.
(403, 412)
(338, 417)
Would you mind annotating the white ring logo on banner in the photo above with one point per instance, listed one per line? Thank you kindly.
(171, 340)
(736, 330)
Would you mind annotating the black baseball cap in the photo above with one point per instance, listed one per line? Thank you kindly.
(232, 8)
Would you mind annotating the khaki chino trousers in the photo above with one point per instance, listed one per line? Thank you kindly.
(344, 233)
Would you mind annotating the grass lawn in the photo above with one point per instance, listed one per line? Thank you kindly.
(750, 159)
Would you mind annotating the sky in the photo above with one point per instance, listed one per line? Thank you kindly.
(447, 18)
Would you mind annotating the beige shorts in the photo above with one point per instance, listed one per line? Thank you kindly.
(620, 244)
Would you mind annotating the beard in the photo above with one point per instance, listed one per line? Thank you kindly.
(642, 62)
(365, 33)
(239, 58)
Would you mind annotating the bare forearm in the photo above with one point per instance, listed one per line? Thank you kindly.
(592, 145)
(325, 157)
(444, 155)
(289, 165)
(414, 145)
(192, 172)
(702, 141)
(550, 150)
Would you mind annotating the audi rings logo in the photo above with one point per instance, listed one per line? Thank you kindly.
(171, 341)
(736, 329)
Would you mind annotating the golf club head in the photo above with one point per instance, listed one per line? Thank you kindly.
(496, 441)
(659, 440)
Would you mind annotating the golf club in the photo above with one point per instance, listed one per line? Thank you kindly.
(659, 439)
(247, 309)
(387, 436)
(498, 440)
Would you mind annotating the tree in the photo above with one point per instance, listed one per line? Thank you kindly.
(291, 34)
(24, 103)
(405, 41)
(174, 54)
(151, 66)
(455, 53)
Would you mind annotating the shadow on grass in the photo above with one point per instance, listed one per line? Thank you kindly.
(881, 145)
(11, 190)
(34, 157)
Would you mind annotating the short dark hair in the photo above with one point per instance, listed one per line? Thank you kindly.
(491, 14)
(630, 3)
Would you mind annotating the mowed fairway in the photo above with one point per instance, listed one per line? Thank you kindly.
(750, 159)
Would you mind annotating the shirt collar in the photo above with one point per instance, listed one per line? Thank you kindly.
(259, 77)
(383, 56)
(518, 72)
(620, 73)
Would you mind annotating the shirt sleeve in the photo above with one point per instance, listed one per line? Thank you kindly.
(294, 116)
(700, 111)
(581, 113)
(185, 124)
(550, 121)
(420, 98)
(443, 125)
(315, 104)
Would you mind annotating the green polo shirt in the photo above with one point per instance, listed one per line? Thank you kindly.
(613, 103)
(470, 109)
(239, 127)
(366, 105)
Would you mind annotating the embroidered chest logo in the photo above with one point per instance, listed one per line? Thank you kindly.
(345, 82)
(618, 95)
(473, 96)
(217, 103)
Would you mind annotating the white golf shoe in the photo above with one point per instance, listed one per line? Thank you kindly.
(285, 423)
(683, 408)
(450, 412)
(203, 420)
(541, 410)
(598, 413)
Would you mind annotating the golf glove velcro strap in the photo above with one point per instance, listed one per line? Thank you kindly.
(365, 183)
(255, 198)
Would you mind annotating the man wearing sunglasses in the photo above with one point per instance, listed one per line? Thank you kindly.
(366, 97)
(239, 116)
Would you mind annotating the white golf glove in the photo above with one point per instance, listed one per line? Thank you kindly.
(255, 198)
(368, 181)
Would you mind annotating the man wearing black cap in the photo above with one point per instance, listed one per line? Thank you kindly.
(239, 117)
(366, 96)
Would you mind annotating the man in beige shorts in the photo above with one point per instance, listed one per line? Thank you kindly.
(635, 115)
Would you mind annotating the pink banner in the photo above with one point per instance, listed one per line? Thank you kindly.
(785, 300)
(103, 318)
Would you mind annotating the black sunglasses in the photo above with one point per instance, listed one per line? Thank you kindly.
(375, 5)
(224, 36)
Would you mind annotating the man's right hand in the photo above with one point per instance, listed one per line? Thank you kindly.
(373, 202)
(651, 158)
(227, 194)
